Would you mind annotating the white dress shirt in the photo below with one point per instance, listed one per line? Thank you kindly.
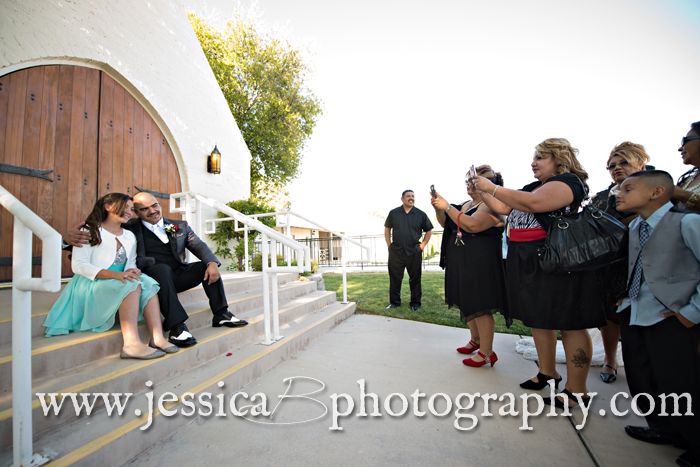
(646, 309)
(158, 228)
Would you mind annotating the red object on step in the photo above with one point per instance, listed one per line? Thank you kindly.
(228, 354)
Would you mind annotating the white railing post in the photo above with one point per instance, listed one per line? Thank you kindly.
(266, 291)
(21, 346)
(27, 223)
(345, 272)
(275, 295)
(288, 229)
(245, 248)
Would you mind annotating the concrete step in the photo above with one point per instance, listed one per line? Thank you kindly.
(111, 374)
(234, 283)
(52, 356)
(112, 440)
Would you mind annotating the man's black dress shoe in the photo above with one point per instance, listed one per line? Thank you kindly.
(391, 306)
(415, 307)
(181, 336)
(648, 435)
(226, 318)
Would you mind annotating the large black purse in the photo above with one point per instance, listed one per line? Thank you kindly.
(585, 241)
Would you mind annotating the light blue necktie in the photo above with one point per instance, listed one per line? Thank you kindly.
(637, 274)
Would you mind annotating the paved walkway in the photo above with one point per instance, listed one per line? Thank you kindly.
(397, 356)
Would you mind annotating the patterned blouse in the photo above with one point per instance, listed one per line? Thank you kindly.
(120, 258)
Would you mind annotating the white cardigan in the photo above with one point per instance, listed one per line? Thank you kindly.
(89, 260)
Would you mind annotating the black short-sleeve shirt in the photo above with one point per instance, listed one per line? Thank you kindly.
(519, 219)
(407, 228)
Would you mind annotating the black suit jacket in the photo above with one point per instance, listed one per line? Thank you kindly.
(182, 240)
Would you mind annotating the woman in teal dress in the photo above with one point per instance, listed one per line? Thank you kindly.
(107, 282)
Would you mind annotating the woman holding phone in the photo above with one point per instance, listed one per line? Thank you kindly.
(477, 254)
(547, 302)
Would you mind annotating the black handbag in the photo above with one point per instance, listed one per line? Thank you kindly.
(584, 241)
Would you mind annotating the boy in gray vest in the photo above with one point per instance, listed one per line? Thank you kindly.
(660, 316)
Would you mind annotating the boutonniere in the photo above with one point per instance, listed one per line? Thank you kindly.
(172, 229)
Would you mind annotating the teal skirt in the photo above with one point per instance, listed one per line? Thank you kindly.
(86, 305)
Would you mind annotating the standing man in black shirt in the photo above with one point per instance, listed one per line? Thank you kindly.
(405, 224)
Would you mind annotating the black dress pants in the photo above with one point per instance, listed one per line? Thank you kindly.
(398, 261)
(181, 278)
(664, 359)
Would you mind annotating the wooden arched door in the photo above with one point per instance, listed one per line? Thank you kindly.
(69, 135)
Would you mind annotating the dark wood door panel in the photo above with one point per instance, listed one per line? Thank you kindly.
(134, 154)
(89, 134)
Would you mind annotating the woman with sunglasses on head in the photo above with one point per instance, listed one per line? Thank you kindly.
(687, 193)
(547, 302)
(477, 254)
(624, 160)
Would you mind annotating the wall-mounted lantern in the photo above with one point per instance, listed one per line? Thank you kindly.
(214, 161)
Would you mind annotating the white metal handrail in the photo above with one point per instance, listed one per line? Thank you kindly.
(287, 215)
(190, 204)
(26, 223)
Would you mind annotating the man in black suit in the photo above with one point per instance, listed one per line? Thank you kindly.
(161, 246)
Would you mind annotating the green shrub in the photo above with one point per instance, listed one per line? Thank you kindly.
(256, 263)
(225, 230)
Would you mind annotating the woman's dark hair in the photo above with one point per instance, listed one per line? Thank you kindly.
(695, 127)
(486, 171)
(99, 214)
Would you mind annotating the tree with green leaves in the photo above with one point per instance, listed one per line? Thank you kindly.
(262, 80)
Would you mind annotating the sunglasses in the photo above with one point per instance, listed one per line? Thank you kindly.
(622, 163)
(688, 138)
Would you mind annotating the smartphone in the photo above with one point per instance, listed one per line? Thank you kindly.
(472, 172)
(433, 193)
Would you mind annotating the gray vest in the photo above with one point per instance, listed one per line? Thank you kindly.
(670, 267)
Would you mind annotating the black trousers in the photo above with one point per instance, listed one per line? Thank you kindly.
(398, 261)
(664, 359)
(181, 278)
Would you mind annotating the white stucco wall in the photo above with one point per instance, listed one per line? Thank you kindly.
(151, 50)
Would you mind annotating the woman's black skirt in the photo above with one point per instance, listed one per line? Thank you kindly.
(562, 301)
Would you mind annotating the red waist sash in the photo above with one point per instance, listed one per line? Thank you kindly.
(527, 235)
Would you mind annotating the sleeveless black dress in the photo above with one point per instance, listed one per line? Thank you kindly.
(559, 301)
(449, 260)
(481, 276)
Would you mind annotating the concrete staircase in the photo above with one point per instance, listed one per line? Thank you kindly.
(90, 363)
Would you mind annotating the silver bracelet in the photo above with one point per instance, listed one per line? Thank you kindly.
(494, 191)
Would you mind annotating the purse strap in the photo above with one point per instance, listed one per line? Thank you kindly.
(558, 215)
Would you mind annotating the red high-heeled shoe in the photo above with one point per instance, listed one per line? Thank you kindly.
(470, 348)
(492, 359)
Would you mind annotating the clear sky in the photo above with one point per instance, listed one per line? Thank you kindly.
(415, 92)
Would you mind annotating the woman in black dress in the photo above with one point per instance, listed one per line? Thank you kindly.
(448, 260)
(569, 302)
(624, 160)
(476, 253)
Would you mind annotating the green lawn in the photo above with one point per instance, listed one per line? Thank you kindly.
(370, 290)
